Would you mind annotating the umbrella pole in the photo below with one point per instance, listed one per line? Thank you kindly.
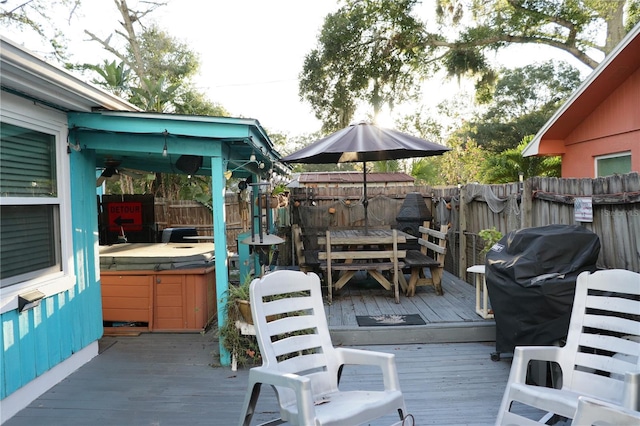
(365, 202)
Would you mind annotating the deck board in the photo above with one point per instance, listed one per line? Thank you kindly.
(452, 314)
(169, 379)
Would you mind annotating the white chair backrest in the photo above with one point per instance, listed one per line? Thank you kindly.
(604, 333)
(296, 339)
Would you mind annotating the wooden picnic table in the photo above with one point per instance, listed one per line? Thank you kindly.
(353, 250)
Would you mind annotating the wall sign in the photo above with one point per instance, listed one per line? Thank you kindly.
(125, 215)
(583, 209)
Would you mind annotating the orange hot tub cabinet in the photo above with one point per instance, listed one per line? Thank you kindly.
(179, 300)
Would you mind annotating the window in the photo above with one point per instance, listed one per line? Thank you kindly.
(35, 223)
(611, 164)
(29, 214)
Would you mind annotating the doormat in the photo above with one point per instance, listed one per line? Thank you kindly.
(375, 320)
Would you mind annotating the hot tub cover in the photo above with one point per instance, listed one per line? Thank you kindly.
(531, 275)
(156, 256)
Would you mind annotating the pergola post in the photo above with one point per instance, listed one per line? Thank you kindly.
(220, 247)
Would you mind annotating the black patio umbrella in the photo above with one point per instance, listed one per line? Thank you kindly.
(364, 142)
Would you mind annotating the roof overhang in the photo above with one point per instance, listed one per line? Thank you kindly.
(30, 76)
(137, 140)
(623, 61)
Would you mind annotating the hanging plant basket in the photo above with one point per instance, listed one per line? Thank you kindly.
(244, 306)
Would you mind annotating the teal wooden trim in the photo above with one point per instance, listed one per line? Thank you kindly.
(220, 247)
(3, 367)
(141, 123)
(146, 144)
(244, 257)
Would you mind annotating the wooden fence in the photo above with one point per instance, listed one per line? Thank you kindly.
(467, 209)
(191, 214)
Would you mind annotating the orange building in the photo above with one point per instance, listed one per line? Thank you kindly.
(597, 130)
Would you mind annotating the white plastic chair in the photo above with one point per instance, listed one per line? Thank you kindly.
(301, 364)
(602, 345)
(593, 412)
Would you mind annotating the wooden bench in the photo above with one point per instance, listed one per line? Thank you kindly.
(350, 252)
(418, 260)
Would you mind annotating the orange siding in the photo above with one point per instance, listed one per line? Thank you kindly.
(613, 127)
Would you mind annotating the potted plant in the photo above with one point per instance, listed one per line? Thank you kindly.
(490, 237)
(238, 307)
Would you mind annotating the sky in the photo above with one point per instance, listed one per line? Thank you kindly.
(251, 53)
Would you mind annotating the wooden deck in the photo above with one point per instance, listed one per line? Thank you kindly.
(445, 368)
(449, 318)
(171, 379)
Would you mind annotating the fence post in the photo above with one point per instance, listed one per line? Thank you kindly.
(526, 203)
(462, 265)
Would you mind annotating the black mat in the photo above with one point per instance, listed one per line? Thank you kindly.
(382, 320)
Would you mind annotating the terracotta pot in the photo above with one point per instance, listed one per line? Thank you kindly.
(244, 306)
(332, 210)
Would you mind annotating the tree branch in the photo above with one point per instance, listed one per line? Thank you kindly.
(511, 39)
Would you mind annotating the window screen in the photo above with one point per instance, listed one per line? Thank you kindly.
(29, 214)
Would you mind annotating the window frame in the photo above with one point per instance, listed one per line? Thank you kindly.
(22, 113)
(597, 158)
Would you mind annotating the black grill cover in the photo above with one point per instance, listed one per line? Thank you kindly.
(531, 275)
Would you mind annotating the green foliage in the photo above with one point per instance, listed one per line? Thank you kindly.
(244, 346)
(633, 14)
(115, 77)
(490, 237)
(376, 51)
(463, 163)
(368, 52)
(426, 171)
(36, 17)
(506, 166)
(520, 102)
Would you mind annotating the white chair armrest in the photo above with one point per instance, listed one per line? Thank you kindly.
(385, 361)
(301, 385)
(631, 390)
(273, 377)
(522, 355)
(591, 411)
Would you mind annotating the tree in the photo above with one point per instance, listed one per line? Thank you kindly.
(374, 51)
(426, 171)
(113, 77)
(159, 70)
(463, 164)
(506, 166)
(572, 26)
(37, 16)
(367, 51)
(520, 102)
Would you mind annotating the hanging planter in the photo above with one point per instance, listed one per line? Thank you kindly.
(244, 306)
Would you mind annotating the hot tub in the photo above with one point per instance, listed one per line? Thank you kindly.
(158, 287)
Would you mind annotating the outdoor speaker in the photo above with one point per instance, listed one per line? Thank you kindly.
(189, 164)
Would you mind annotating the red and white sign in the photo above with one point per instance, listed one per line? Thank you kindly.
(125, 216)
